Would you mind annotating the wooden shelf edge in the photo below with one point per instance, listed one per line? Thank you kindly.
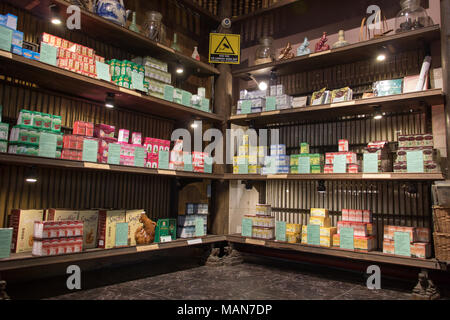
(41, 67)
(431, 96)
(373, 256)
(387, 176)
(22, 261)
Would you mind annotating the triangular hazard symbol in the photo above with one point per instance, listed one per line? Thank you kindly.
(224, 47)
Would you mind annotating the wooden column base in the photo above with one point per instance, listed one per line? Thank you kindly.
(425, 288)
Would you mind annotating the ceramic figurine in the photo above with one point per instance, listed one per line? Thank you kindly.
(321, 45)
(195, 54)
(133, 26)
(341, 42)
(304, 48)
(112, 10)
(286, 53)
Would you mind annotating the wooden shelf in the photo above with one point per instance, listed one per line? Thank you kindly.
(277, 5)
(395, 103)
(202, 11)
(14, 159)
(103, 30)
(352, 53)
(26, 260)
(75, 84)
(387, 176)
(372, 256)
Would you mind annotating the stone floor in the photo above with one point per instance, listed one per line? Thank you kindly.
(256, 279)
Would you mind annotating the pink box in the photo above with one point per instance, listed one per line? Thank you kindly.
(343, 145)
(352, 168)
(124, 135)
(136, 138)
(104, 131)
(328, 168)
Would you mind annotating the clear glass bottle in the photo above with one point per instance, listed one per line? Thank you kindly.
(153, 25)
(411, 17)
(175, 45)
(264, 53)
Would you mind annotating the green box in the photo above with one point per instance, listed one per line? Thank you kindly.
(205, 105)
(3, 146)
(316, 168)
(46, 121)
(168, 93)
(177, 95)
(165, 227)
(37, 119)
(304, 148)
(315, 159)
(4, 129)
(56, 123)
(186, 98)
(25, 118)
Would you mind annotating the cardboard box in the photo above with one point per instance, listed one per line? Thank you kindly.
(293, 228)
(343, 145)
(90, 227)
(132, 217)
(421, 250)
(328, 232)
(22, 222)
(319, 212)
(107, 221)
(389, 232)
(423, 235)
(60, 215)
(322, 221)
(326, 241)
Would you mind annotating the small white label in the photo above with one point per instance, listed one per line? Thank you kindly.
(166, 239)
(239, 229)
(195, 241)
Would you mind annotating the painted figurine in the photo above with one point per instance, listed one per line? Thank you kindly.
(321, 45)
(304, 48)
(286, 53)
(341, 42)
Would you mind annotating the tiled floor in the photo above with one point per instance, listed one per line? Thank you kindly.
(255, 280)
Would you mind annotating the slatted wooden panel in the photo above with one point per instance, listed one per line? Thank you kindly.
(390, 204)
(58, 188)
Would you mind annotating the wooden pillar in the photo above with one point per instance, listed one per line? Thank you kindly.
(445, 47)
(222, 106)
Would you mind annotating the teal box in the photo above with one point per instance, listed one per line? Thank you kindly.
(122, 234)
(388, 87)
(186, 98)
(1, 111)
(3, 146)
(204, 105)
(168, 93)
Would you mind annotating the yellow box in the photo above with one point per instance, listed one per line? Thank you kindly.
(253, 160)
(304, 229)
(294, 228)
(236, 169)
(365, 243)
(326, 241)
(61, 215)
(328, 232)
(90, 226)
(336, 240)
(293, 237)
(321, 221)
(132, 217)
(22, 221)
(243, 150)
(316, 212)
(304, 238)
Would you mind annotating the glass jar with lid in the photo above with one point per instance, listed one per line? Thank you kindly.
(152, 25)
(264, 53)
(411, 17)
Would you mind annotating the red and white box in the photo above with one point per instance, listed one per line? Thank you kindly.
(389, 232)
(328, 168)
(421, 250)
(343, 145)
(352, 168)
(51, 247)
(360, 229)
(57, 229)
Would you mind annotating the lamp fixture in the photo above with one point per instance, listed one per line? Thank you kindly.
(31, 175)
(321, 187)
(180, 69)
(55, 17)
(110, 100)
(378, 115)
(248, 185)
(382, 54)
(261, 85)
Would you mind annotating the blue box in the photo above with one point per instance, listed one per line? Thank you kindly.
(2, 20)
(11, 21)
(36, 56)
(17, 38)
(16, 50)
(27, 53)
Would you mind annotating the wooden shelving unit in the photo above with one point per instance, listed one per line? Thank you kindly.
(71, 83)
(279, 4)
(203, 12)
(386, 176)
(395, 103)
(372, 256)
(103, 30)
(79, 165)
(26, 260)
(351, 53)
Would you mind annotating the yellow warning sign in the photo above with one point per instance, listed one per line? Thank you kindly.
(224, 48)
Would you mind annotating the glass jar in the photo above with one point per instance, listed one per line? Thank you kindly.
(265, 52)
(153, 25)
(412, 16)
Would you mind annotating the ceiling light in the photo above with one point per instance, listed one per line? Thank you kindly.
(262, 86)
(31, 175)
(321, 187)
(381, 57)
(55, 17)
(179, 69)
(194, 125)
(110, 100)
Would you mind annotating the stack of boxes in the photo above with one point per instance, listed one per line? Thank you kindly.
(73, 144)
(74, 57)
(363, 228)
(9, 21)
(320, 217)
(263, 224)
(249, 156)
(256, 100)
(315, 160)
(153, 146)
(25, 136)
(156, 75)
(417, 142)
(121, 73)
(293, 233)
(261, 100)
(277, 162)
(420, 239)
(127, 149)
(4, 130)
(382, 151)
(187, 222)
(282, 100)
(351, 158)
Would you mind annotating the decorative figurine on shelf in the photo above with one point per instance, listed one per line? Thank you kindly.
(286, 53)
(321, 45)
(133, 26)
(341, 42)
(146, 233)
(195, 54)
(112, 10)
(304, 50)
